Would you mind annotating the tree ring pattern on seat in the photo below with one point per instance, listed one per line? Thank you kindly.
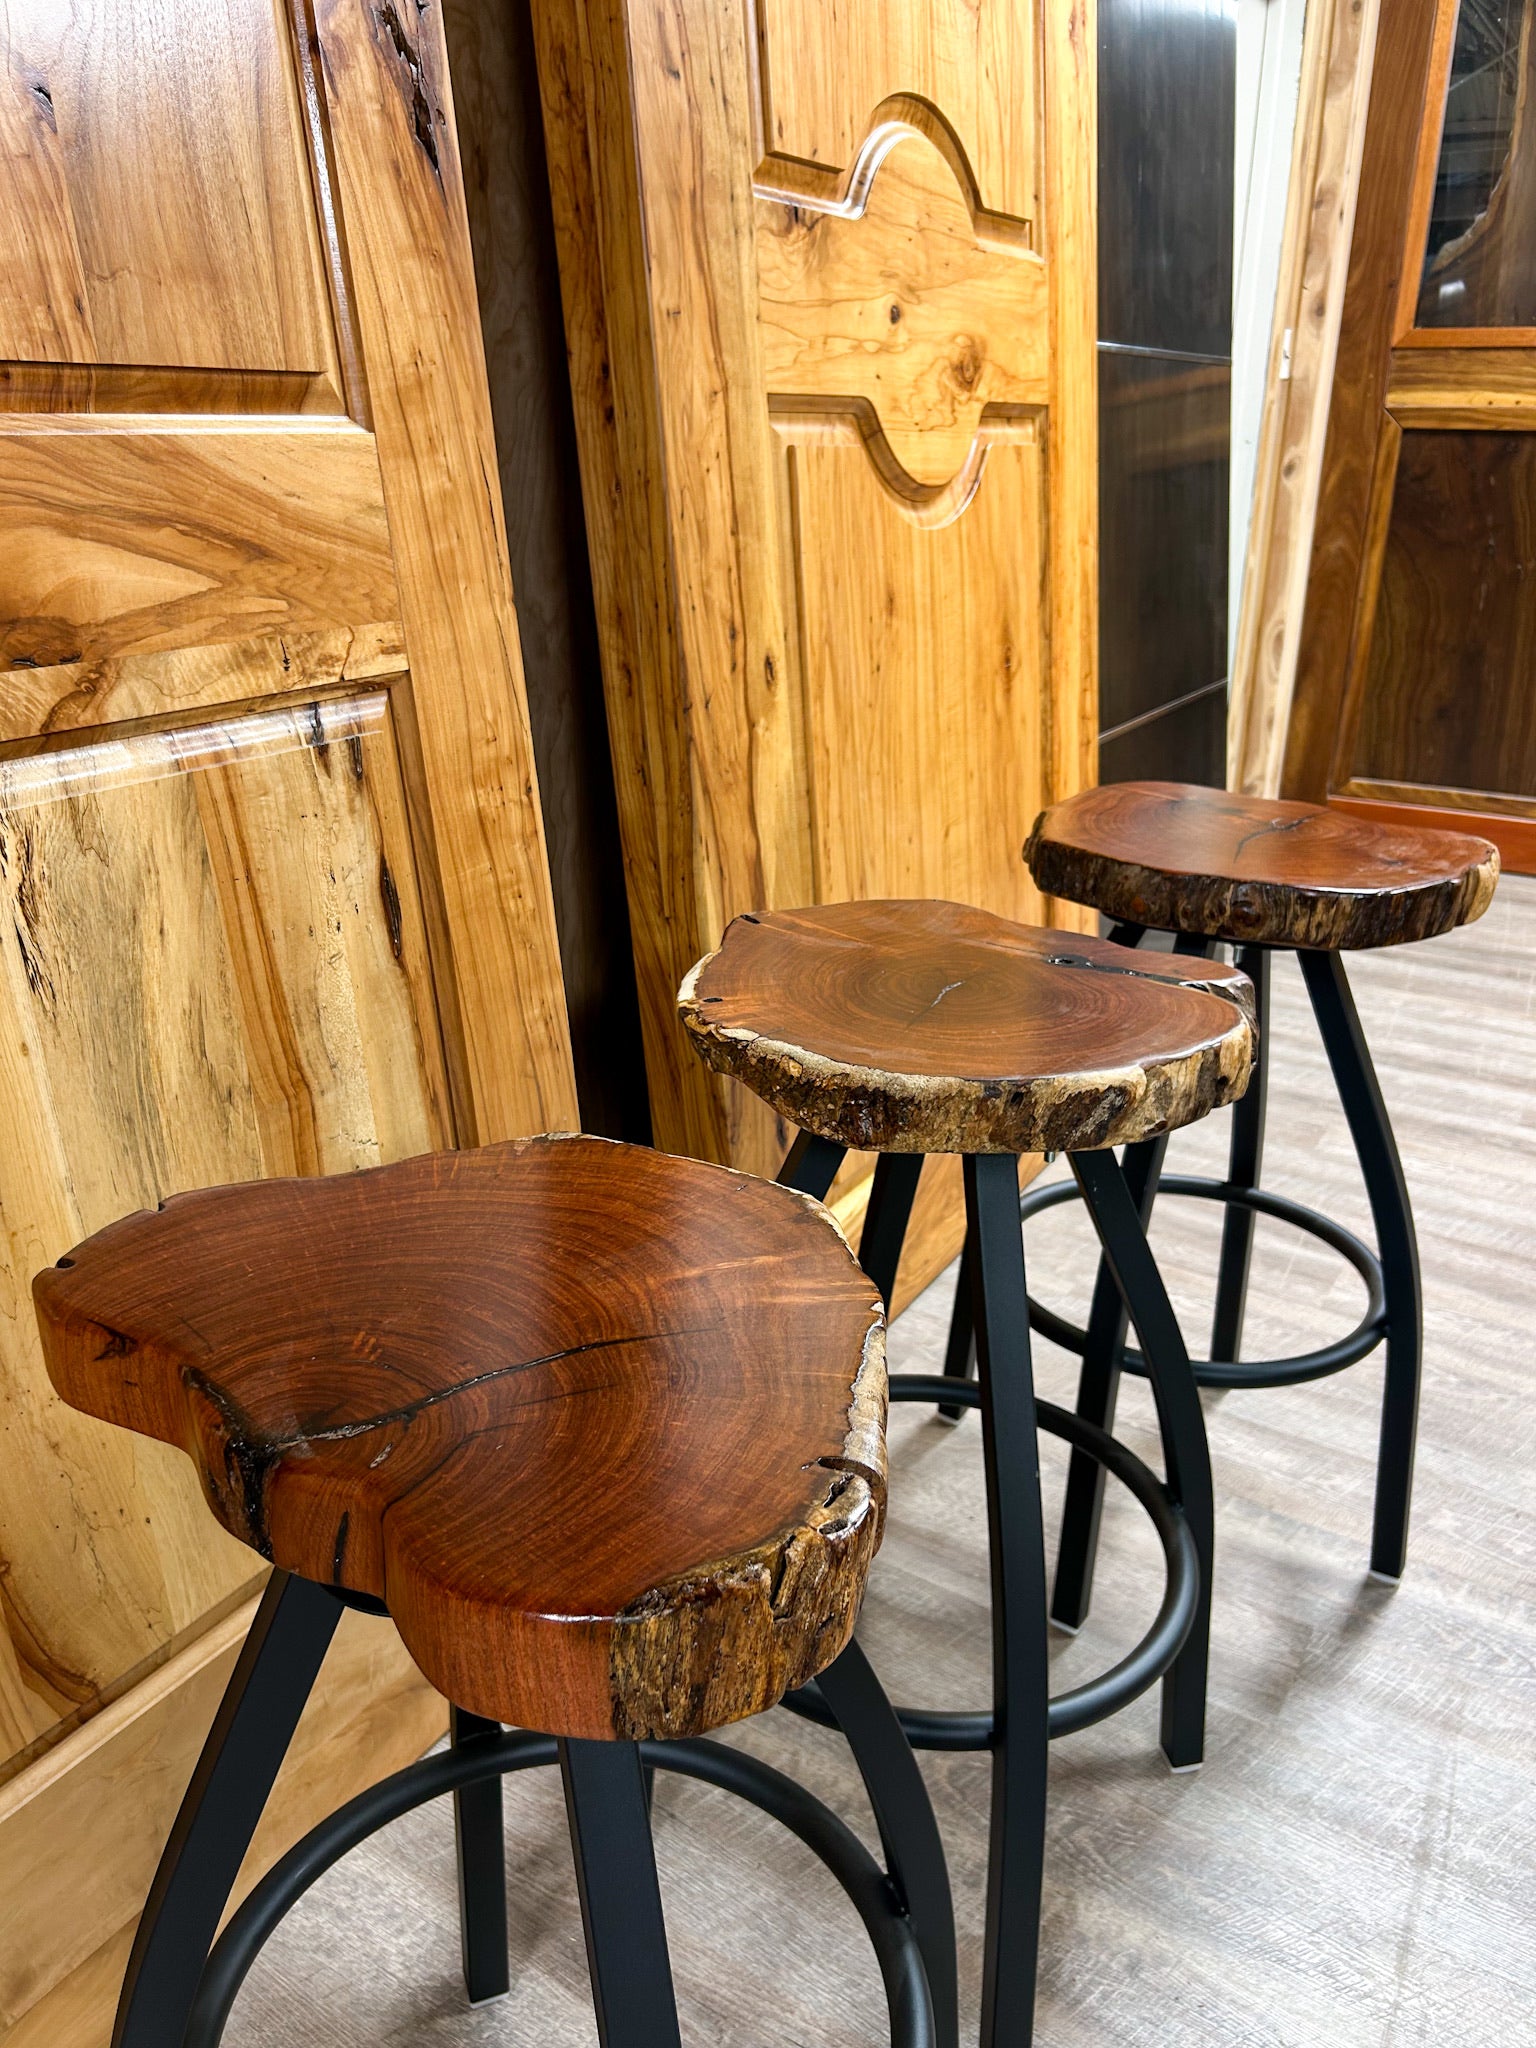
(1258, 870)
(934, 1027)
(603, 1428)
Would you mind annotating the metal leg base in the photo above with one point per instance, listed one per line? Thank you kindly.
(890, 1929)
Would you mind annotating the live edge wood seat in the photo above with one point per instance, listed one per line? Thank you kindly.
(601, 1427)
(935, 1027)
(1258, 870)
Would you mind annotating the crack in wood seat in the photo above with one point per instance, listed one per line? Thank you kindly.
(1177, 857)
(935, 1027)
(604, 1428)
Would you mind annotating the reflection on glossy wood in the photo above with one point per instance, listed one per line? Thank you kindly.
(115, 543)
(417, 1384)
(152, 225)
(132, 687)
(899, 307)
(826, 65)
(215, 969)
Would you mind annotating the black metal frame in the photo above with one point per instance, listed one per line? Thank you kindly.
(1394, 1307)
(1023, 1717)
(181, 1983)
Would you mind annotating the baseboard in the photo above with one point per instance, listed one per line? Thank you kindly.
(82, 1828)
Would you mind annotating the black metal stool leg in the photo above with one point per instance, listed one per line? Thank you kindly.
(1098, 1387)
(1020, 1690)
(481, 1852)
(886, 1218)
(909, 1834)
(960, 1351)
(620, 1898)
(1186, 1454)
(810, 1165)
(1370, 1127)
(240, 1760)
(1244, 1162)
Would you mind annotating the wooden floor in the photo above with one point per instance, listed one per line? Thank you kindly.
(1356, 1864)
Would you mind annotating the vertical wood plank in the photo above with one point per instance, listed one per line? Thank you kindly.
(408, 240)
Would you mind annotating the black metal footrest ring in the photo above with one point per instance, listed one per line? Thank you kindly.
(1141, 1667)
(817, 1826)
(1258, 1372)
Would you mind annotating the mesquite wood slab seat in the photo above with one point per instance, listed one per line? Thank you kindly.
(934, 1027)
(1257, 870)
(603, 1428)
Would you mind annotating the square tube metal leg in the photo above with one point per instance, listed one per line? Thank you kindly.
(620, 1898)
(1244, 1162)
(1186, 1453)
(273, 1677)
(1098, 1389)
(1365, 1111)
(960, 1351)
(480, 1849)
(909, 1834)
(1020, 1671)
(810, 1165)
(886, 1218)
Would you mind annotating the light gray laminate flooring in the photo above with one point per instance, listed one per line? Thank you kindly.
(1355, 1866)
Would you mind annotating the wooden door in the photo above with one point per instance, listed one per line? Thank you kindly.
(1413, 686)
(273, 893)
(829, 281)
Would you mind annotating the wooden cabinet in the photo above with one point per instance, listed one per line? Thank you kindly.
(1413, 684)
(273, 891)
(829, 287)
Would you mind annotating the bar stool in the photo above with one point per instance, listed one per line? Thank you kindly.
(906, 1028)
(1263, 875)
(603, 1431)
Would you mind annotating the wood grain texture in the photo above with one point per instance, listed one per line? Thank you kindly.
(1180, 858)
(826, 65)
(1338, 61)
(153, 225)
(136, 541)
(1460, 545)
(512, 1415)
(408, 241)
(215, 967)
(933, 1027)
(117, 1782)
(1511, 828)
(895, 304)
(729, 320)
(946, 621)
(1356, 472)
(124, 690)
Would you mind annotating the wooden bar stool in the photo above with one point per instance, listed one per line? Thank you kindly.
(603, 1431)
(905, 1028)
(1261, 876)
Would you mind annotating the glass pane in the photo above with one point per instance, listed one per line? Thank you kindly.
(1480, 263)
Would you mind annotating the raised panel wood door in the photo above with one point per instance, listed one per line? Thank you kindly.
(829, 282)
(1413, 686)
(273, 894)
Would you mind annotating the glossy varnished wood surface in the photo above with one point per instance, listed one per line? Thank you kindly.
(1224, 866)
(604, 1428)
(934, 1027)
